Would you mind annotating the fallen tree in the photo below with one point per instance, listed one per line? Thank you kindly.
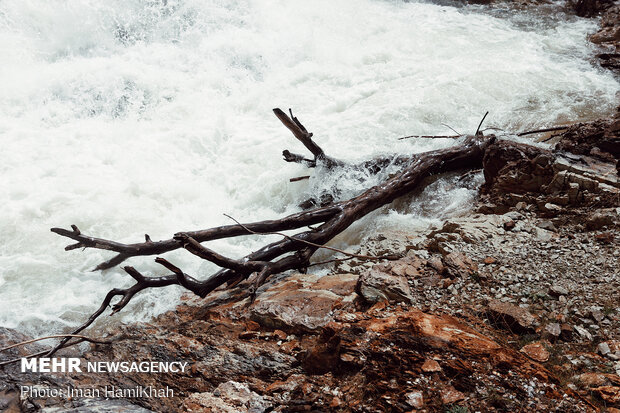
(293, 252)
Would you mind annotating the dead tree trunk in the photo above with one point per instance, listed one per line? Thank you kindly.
(292, 252)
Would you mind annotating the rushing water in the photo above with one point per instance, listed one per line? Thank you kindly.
(153, 116)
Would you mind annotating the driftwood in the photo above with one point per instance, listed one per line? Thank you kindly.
(291, 252)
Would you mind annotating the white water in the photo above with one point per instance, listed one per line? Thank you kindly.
(132, 117)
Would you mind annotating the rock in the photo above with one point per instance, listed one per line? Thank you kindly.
(536, 351)
(475, 228)
(573, 192)
(590, 8)
(336, 402)
(450, 395)
(583, 333)
(548, 225)
(610, 349)
(303, 302)
(489, 260)
(376, 285)
(589, 380)
(511, 167)
(557, 291)
(610, 394)
(543, 235)
(597, 315)
(435, 263)
(98, 406)
(511, 317)
(431, 366)
(598, 220)
(229, 397)
(552, 331)
(415, 399)
(459, 265)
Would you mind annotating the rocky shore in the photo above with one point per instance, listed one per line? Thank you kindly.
(513, 307)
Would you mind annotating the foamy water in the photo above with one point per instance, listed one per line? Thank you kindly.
(133, 117)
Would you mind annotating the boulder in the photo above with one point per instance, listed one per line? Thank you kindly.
(303, 302)
(378, 285)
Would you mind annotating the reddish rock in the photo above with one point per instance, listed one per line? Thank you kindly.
(324, 356)
(489, 260)
(450, 395)
(511, 317)
(435, 263)
(536, 351)
(590, 380)
(610, 394)
(303, 302)
(431, 366)
(459, 265)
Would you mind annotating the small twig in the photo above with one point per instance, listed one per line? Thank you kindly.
(480, 125)
(451, 128)
(63, 344)
(330, 261)
(430, 137)
(364, 257)
(23, 343)
(299, 178)
(15, 360)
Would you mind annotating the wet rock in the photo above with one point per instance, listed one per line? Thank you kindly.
(511, 167)
(511, 317)
(590, 8)
(377, 285)
(536, 351)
